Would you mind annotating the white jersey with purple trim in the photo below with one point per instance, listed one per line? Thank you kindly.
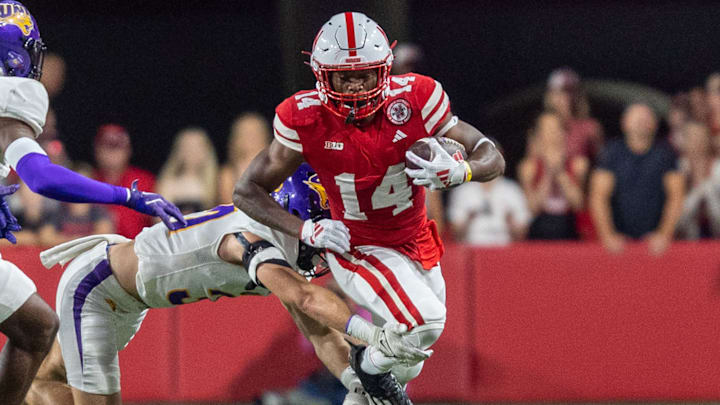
(25, 100)
(183, 266)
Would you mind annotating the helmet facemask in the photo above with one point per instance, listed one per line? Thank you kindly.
(351, 41)
(354, 106)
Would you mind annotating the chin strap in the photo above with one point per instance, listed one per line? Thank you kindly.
(351, 117)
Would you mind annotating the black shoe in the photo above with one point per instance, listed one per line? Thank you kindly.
(381, 386)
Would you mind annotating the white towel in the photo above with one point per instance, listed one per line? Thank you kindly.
(67, 251)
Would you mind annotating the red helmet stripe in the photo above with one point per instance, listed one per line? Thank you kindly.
(350, 26)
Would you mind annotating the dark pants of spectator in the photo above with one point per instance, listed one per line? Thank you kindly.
(553, 227)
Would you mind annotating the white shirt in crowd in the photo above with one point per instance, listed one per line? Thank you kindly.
(486, 208)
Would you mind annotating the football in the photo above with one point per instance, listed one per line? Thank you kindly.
(422, 149)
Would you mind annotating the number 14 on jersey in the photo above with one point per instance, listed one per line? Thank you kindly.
(393, 191)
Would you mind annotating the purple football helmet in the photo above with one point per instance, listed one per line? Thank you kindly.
(21, 49)
(303, 195)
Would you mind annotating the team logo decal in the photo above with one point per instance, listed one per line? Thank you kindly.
(314, 183)
(399, 112)
(17, 15)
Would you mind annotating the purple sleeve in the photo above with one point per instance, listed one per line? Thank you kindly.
(59, 183)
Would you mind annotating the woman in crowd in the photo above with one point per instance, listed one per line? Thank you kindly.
(553, 180)
(700, 216)
(250, 133)
(189, 177)
(565, 96)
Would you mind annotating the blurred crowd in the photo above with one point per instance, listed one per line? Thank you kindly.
(575, 182)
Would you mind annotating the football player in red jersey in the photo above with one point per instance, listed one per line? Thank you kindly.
(355, 129)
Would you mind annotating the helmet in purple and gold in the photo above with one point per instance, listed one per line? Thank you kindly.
(303, 195)
(21, 49)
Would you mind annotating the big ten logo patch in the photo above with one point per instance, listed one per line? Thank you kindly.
(332, 145)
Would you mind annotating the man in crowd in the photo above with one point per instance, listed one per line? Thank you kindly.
(636, 190)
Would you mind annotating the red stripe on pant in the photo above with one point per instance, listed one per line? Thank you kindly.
(376, 285)
(394, 283)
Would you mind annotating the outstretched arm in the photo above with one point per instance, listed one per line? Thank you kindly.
(323, 306)
(32, 164)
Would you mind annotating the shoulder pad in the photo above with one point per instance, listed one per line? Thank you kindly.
(300, 109)
(25, 100)
(426, 94)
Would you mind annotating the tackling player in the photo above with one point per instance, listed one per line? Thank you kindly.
(27, 321)
(355, 129)
(105, 292)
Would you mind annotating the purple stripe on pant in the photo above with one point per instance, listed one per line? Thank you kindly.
(90, 281)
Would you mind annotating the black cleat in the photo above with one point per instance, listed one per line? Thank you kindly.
(382, 386)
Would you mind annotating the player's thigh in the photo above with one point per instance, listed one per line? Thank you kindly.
(84, 398)
(391, 286)
(97, 319)
(33, 326)
(15, 289)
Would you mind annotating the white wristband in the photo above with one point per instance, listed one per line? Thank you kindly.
(480, 142)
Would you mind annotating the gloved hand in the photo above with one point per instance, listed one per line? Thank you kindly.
(8, 222)
(390, 340)
(155, 205)
(326, 233)
(442, 172)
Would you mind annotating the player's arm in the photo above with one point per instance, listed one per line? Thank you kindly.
(252, 196)
(328, 309)
(266, 265)
(24, 154)
(264, 174)
(484, 160)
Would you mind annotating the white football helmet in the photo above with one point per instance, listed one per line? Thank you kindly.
(351, 41)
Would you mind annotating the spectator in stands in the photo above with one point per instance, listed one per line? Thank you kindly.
(112, 154)
(250, 133)
(34, 213)
(488, 214)
(712, 96)
(700, 216)
(76, 220)
(189, 177)
(698, 104)
(566, 97)
(678, 115)
(552, 180)
(636, 190)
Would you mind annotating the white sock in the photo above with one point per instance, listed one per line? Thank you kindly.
(404, 373)
(349, 379)
(375, 362)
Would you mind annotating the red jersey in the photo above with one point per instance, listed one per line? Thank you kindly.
(361, 168)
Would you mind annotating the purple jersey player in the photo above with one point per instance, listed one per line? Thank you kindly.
(28, 322)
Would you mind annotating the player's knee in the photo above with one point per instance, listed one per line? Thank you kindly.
(427, 334)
